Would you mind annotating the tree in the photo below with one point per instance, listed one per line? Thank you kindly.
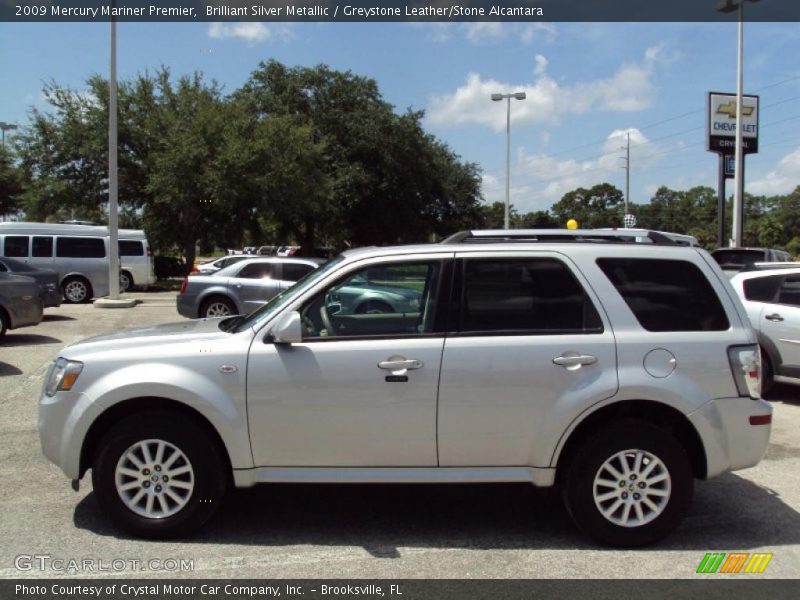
(389, 180)
(11, 183)
(599, 206)
(189, 120)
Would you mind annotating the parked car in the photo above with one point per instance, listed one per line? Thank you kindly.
(733, 260)
(20, 302)
(287, 250)
(618, 371)
(213, 266)
(137, 267)
(771, 298)
(80, 255)
(239, 288)
(267, 250)
(47, 279)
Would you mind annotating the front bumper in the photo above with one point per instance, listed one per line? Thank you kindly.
(731, 441)
(64, 421)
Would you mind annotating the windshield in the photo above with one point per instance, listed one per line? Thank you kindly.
(274, 304)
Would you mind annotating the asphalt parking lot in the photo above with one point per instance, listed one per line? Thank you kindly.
(299, 531)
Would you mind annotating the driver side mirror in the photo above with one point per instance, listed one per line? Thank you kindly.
(288, 329)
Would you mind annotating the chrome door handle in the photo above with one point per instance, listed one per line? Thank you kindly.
(774, 317)
(399, 364)
(573, 361)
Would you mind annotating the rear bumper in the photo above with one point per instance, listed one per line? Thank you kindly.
(186, 305)
(731, 441)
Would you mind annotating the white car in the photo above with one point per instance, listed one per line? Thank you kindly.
(771, 298)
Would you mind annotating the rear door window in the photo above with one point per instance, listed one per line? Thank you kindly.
(16, 246)
(666, 295)
(80, 247)
(531, 296)
(256, 271)
(295, 272)
(762, 289)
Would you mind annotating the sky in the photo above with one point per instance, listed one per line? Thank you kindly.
(588, 85)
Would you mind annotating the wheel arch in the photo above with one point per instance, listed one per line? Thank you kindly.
(133, 406)
(212, 293)
(656, 413)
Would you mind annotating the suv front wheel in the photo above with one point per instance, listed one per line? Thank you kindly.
(629, 485)
(158, 475)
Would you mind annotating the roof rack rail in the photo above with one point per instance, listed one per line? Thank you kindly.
(595, 236)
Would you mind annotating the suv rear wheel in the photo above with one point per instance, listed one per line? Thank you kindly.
(158, 475)
(629, 485)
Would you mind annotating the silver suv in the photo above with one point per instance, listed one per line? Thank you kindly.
(618, 370)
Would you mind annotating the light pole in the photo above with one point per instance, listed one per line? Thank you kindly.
(728, 6)
(507, 97)
(6, 127)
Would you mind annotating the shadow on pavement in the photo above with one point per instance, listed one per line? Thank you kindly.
(27, 339)
(57, 318)
(7, 369)
(728, 512)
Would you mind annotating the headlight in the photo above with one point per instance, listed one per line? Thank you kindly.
(63, 376)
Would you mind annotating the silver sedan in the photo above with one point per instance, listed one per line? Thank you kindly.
(240, 288)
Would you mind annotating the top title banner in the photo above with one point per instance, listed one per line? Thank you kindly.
(393, 10)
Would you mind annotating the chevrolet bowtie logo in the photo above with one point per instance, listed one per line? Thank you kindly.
(730, 110)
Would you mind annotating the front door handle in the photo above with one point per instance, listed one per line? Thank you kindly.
(573, 361)
(398, 363)
(774, 317)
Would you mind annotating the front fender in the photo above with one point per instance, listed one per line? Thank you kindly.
(219, 397)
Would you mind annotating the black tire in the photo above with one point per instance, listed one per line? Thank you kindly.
(77, 290)
(210, 476)
(374, 307)
(767, 374)
(4, 323)
(217, 301)
(126, 282)
(578, 485)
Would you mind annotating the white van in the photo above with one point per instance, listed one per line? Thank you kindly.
(79, 253)
(136, 259)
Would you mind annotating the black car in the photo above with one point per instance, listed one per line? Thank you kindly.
(20, 302)
(47, 279)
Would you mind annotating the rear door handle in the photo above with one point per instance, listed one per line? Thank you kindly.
(573, 361)
(395, 363)
(774, 317)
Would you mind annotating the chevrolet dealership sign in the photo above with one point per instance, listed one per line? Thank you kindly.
(722, 123)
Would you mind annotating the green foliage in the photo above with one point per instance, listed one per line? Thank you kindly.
(12, 183)
(307, 155)
(596, 207)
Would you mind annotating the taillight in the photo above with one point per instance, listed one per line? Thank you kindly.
(746, 367)
(184, 284)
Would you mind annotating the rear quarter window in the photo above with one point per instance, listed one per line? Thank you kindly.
(666, 295)
(131, 248)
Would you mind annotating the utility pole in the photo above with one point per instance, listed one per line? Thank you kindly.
(627, 168)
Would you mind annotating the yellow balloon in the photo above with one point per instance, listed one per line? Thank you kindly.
(572, 224)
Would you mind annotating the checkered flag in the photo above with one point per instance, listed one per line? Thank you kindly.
(629, 221)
